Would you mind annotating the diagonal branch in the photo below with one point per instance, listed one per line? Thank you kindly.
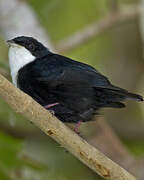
(51, 126)
(95, 29)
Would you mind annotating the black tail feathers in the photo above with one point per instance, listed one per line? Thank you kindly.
(114, 105)
(113, 96)
(134, 97)
(127, 94)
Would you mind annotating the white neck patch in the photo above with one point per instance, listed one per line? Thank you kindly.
(19, 56)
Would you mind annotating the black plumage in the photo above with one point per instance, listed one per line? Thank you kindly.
(78, 89)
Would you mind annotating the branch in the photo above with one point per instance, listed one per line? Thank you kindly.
(51, 126)
(95, 29)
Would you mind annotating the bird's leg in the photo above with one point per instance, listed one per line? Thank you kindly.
(50, 105)
(76, 129)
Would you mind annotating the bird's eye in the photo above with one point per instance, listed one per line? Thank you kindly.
(31, 47)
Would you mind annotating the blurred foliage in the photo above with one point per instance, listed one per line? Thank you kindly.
(12, 166)
(41, 158)
(63, 17)
(135, 147)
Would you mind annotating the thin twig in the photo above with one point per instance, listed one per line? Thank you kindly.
(51, 126)
(95, 29)
(113, 6)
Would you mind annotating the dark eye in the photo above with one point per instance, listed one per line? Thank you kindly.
(31, 46)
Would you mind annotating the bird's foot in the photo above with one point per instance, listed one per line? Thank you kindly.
(76, 129)
(52, 112)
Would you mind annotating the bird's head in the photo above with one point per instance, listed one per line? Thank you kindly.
(32, 46)
(22, 51)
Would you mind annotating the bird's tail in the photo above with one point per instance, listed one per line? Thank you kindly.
(125, 93)
(114, 96)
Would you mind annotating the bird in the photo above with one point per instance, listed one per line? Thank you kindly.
(72, 90)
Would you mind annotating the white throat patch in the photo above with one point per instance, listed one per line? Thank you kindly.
(19, 56)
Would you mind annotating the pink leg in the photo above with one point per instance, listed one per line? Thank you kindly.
(50, 105)
(76, 129)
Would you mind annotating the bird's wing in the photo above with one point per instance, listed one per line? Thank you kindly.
(57, 69)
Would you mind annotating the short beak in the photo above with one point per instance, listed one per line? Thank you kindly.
(10, 42)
